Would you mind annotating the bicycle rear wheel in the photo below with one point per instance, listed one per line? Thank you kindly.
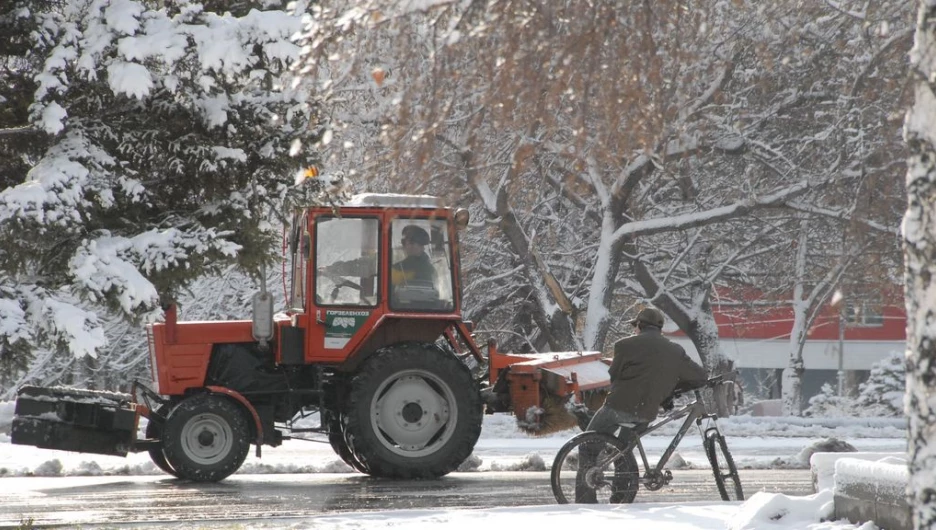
(718, 455)
(592, 468)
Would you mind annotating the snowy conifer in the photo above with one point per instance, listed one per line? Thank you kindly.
(883, 393)
(827, 403)
(145, 144)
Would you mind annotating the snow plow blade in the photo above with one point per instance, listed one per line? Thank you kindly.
(71, 419)
(541, 389)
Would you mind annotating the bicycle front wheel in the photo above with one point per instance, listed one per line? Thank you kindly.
(595, 468)
(726, 480)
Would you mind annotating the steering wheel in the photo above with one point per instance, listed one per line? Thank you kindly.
(340, 282)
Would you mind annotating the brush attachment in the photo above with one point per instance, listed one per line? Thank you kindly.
(561, 413)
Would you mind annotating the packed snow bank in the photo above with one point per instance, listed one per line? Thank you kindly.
(781, 511)
(822, 465)
(502, 447)
(841, 428)
(658, 516)
(866, 486)
(760, 514)
(873, 491)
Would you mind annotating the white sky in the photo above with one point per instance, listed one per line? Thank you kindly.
(754, 442)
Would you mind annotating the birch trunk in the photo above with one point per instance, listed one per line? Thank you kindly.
(792, 381)
(920, 271)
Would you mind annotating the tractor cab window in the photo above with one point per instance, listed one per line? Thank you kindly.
(421, 265)
(346, 261)
(299, 243)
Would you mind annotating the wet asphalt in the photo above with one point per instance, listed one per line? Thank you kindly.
(131, 501)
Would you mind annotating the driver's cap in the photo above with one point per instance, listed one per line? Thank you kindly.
(649, 315)
(416, 235)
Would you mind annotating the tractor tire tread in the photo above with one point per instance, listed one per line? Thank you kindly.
(174, 448)
(364, 443)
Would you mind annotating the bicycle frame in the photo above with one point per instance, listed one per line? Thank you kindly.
(694, 412)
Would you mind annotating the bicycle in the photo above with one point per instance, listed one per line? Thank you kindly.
(614, 476)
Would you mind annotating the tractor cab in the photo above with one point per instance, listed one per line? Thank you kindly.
(372, 264)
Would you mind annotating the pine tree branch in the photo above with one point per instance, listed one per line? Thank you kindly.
(26, 129)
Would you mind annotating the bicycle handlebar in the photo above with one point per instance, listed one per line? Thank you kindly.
(712, 381)
(709, 383)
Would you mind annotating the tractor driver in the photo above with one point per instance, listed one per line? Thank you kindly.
(415, 268)
(647, 369)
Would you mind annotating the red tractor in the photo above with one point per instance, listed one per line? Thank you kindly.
(373, 340)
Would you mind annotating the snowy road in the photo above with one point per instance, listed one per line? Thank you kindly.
(89, 501)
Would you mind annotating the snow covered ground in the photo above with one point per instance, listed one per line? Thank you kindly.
(754, 442)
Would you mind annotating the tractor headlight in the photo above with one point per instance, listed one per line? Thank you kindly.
(461, 218)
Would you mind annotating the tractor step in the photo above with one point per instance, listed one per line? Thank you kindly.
(72, 419)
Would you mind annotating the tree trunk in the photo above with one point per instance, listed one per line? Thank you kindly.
(792, 388)
(704, 335)
(919, 230)
(852, 380)
(601, 294)
(792, 380)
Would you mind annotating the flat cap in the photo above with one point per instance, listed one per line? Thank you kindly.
(649, 315)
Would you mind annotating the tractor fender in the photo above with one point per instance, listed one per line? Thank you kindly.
(397, 329)
(237, 396)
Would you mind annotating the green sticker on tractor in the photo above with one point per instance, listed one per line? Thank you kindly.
(340, 326)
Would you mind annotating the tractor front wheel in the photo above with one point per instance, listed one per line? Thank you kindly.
(416, 412)
(154, 431)
(206, 438)
(336, 438)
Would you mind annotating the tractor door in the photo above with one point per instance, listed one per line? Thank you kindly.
(345, 284)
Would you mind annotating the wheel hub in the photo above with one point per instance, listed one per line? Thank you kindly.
(207, 438)
(594, 478)
(410, 413)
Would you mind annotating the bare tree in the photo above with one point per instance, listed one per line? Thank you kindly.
(617, 154)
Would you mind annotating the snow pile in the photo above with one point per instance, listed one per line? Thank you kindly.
(502, 447)
(842, 427)
(889, 474)
(765, 510)
(822, 465)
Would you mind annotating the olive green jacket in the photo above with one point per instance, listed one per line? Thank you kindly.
(647, 368)
(416, 268)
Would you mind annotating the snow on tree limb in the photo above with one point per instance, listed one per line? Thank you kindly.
(655, 226)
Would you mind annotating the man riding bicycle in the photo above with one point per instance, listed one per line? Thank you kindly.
(647, 369)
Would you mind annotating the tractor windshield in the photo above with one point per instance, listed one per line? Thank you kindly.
(346, 261)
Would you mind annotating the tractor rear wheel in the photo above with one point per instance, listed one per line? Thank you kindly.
(206, 438)
(416, 412)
